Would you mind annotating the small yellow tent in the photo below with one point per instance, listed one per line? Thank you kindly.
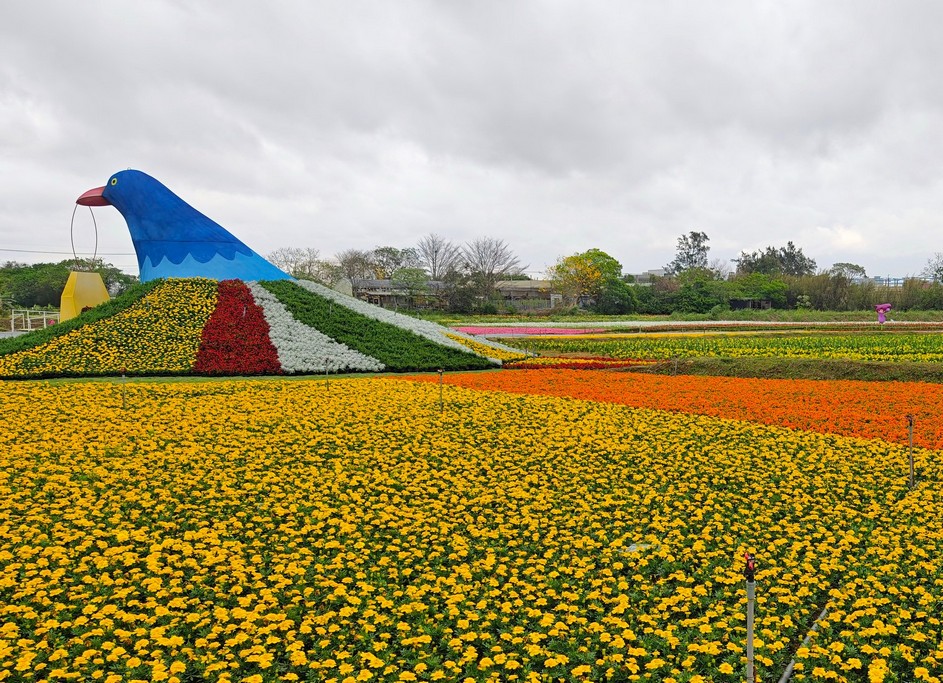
(82, 290)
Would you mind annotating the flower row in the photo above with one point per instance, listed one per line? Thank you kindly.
(886, 347)
(488, 350)
(870, 410)
(581, 363)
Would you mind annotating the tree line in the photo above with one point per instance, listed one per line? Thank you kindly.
(464, 275)
(462, 278)
(775, 277)
(24, 285)
(779, 277)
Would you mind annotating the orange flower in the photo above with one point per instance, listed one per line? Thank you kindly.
(871, 410)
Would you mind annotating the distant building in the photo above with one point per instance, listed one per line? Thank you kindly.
(741, 304)
(393, 295)
(645, 279)
(528, 295)
(888, 281)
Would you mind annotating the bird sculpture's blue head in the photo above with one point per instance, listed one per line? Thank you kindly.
(171, 238)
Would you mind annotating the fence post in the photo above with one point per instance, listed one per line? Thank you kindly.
(750, 573)
(910, 439)
(441, 404)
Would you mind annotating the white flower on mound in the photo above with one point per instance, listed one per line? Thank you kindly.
(424, 328)
(303, 349)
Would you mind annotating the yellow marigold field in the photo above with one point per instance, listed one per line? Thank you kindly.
(350, 531)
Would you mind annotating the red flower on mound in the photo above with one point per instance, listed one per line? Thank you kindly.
(235, 340)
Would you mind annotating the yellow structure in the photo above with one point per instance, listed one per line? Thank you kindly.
(82, 290)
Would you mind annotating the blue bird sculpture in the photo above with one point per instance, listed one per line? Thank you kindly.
(171, 238)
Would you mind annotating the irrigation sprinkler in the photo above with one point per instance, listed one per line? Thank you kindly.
(750, 573)
(910, 439)
(441, 403)
(124, 381)
(787, 674)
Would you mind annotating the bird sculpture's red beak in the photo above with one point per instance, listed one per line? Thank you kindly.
(93, 198)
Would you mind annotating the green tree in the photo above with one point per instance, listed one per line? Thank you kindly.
(849, 270)
(576, 277)
(41, 284)
(788, 260)
(594, 276)
(356, 264)
(617, 297)
(691, 253)
(761, 287)
(387, 260)
(413, 281)
(700, 291)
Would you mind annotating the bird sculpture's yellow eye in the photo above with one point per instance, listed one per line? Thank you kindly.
(114, 181)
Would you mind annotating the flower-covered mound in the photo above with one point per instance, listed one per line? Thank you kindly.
(355, 530)
(204, 327)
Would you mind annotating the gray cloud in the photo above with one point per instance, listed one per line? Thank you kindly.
(558, 126)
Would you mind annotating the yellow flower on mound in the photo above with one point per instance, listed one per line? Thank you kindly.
(488, 350)
(158, 334)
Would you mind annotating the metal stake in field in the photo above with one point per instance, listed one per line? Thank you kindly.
(910, 439)
(441, 404)
(750, 573)
(123, 382)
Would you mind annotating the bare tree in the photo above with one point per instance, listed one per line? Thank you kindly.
(304, 264)
(489, 259)
(438, 256)
(356, 264)
(721, 268)
(934, 268)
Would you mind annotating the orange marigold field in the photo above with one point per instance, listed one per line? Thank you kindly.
(872, 410)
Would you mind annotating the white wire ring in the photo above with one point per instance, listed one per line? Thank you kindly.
(72, 234)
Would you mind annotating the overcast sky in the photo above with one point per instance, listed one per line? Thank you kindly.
(556, 126)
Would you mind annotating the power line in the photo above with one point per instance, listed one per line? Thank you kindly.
(68, 253)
